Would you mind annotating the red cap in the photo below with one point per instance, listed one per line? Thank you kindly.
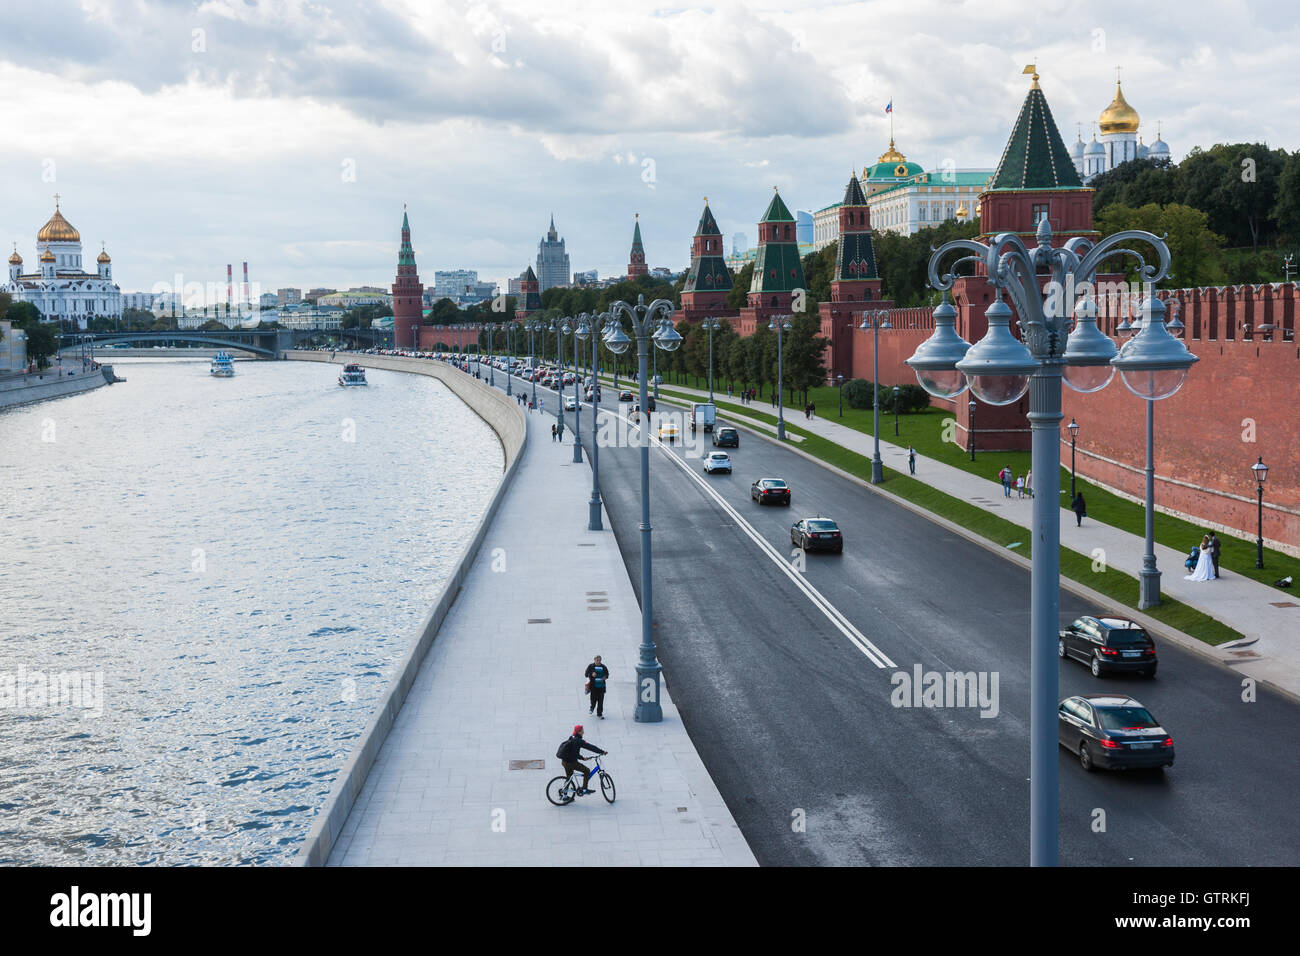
(577, 728)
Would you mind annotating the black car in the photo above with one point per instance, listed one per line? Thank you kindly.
(770, 490)
(817, 534)
(726, 438)
(1114, 732)
(1108, 644)
(626, 396)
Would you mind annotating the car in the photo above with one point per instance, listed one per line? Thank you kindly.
(1109, 645)
(1114, 732)
(726, 437)
(570, 404)
(625, 396)
(650, 403)
(717, 461)
(770, 490)
(588, 392)
(668, 432)
(817, 534)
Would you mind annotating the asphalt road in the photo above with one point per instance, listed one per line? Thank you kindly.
(794, 720)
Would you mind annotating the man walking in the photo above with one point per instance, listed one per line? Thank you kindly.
(552, 431)
(1214, 552)
(597, 674)
(1080, 510)
(911, 459)
(1004, 476)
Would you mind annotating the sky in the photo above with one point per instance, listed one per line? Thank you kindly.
(186, 135)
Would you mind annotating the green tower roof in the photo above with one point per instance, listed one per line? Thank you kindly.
(708, 225)
(1035, 156)
(636, 238)
(776, 211)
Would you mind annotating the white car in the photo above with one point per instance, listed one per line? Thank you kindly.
(570, 404)
(717, 461)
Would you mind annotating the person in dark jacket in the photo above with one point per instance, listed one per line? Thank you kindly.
(1080, 510)
(570, 753)
(1214, 551)
(597, 674)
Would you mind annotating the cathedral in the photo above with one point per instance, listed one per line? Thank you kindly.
(1120, 141)
(62, 289)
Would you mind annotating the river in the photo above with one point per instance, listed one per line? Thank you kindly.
(206, 586)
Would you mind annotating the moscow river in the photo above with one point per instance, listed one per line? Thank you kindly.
(206, 585)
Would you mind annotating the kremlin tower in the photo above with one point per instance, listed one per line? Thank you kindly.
(708, 280)
(636, 261)
(856, 285)
(778, 271)
(408, 293)
(530, 299)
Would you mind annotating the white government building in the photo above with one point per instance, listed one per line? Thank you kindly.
(62, 289)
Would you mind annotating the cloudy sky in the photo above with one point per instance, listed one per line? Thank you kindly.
(188, 135)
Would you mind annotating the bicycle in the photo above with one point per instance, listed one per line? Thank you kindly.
(562, 790)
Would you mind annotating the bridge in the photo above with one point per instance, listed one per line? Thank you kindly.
(265, 343)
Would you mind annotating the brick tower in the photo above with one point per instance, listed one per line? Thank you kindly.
(708, 280)
(778, 271)
(530, 300)
(856, 285)
(636, 261)
(408, 292)
(1036, 178)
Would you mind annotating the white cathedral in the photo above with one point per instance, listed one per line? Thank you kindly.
(1119, 143)
(62, 289)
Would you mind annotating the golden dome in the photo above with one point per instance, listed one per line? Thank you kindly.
(58, 229)
(962, 211)
(1119, 117)
(103, 254)
(891, 155)
(15, 259)
(47, 256)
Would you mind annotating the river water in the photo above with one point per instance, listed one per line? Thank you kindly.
(205, 584)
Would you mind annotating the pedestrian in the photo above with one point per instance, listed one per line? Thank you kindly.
(728, 391)
(559, 428)
(1004, 476)
(813, 407)
(1020, 486)
(597, 674)
(807, 411)
(1214, 552)
(1029, 483)
(1080, 510)
(552, 431)
(911, 459)
(774, 398)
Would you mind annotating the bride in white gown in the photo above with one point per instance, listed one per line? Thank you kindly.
(1204, 564)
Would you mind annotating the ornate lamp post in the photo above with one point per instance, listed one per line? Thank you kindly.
(492, 345)
(971, 406)
(876, 319)
(533, 327)
(1260, 472)
(711, 325)
(778, 327)
(593, 329)
(576, 329)
(645, 319)
(1074, 436)
(1000, 369)
(895, 411)
(510, 353)
(558, 327)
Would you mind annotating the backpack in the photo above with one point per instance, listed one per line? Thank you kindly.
(566, 750)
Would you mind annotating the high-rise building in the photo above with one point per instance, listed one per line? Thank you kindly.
(452, 283)
(552, 261)
(739, 244)
(803, 226)
(285, 297)
(407, 292)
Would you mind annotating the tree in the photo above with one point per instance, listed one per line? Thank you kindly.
(902, 261)
(212, 325)
(444, 312)
(803, 349)
(1286, 211)
(738, 297)
(42, 337)
(1193, 248)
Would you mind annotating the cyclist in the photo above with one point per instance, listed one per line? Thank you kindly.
(570, 754)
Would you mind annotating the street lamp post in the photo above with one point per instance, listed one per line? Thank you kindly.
(1149, 576)
(510, 350)
(778, 327)
(895, 411)
(533, 327)
(876, 319)
(557, 328)
(644, 322)
(1074, 436)
(492, 363)
(579, 324)
(593, 329)
(1000, 369)
(1260, 471)
(711, 325)
(971, 406)
(839, 381)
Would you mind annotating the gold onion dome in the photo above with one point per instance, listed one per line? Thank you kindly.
(15, 259)
(47, 256)
(1119, 117)
(103, 255)
(58, 229)
(891, 155)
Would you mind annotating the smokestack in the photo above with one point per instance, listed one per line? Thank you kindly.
(230, 285)
(245, 281)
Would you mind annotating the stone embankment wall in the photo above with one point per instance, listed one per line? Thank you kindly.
(25, 389)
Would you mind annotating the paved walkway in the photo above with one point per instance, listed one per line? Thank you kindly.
(1244, 604)
(498, 688)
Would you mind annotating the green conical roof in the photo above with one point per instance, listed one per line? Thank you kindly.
(708, 225)
(530, 275)
(853, 195)
(406, 225)
(776, 211)
(636, 238)
(1036, 157)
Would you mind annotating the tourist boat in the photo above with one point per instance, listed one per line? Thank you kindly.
(223, 366)
(352, 374)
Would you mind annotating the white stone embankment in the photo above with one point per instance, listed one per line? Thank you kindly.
(42, 386)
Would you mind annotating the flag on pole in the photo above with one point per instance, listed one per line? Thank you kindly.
(889, 107)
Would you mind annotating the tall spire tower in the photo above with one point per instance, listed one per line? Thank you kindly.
(408, 293)
(708, 280)
(636, 261)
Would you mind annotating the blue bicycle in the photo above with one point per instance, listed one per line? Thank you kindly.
(562, 790)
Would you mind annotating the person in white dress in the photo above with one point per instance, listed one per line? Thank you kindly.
(1204, 564)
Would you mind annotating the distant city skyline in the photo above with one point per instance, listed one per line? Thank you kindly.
(291, 141)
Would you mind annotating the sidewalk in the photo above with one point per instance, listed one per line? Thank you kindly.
(1248, 606)
(502, 686)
